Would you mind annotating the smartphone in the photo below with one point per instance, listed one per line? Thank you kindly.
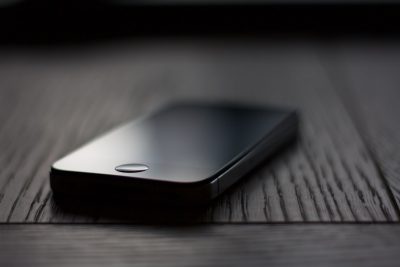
(183, 153)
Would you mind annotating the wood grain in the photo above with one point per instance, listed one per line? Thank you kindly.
(367, 75)
(53, 101)
(215, 245)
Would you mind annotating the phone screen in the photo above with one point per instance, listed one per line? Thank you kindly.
(181, 143)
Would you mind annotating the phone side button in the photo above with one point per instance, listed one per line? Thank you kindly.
(133, 167)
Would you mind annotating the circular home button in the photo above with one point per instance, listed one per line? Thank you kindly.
(133, 167)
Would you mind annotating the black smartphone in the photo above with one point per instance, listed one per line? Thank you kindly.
(183, 153)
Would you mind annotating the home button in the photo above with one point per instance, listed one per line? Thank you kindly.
(133, 167)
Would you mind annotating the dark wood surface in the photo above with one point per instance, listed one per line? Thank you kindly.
(367, 75)
(53, 100)
(344, 168)
(215, 245)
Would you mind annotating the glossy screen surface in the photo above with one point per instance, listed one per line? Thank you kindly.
(182, 143)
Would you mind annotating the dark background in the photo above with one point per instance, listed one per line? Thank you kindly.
(71, 21)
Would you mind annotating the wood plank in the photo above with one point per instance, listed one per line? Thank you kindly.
(53, 101)
(367, 76)
(222, 245)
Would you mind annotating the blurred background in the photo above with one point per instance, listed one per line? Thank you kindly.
(61, 21)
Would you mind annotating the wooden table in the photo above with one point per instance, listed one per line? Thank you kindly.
(343, 169)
